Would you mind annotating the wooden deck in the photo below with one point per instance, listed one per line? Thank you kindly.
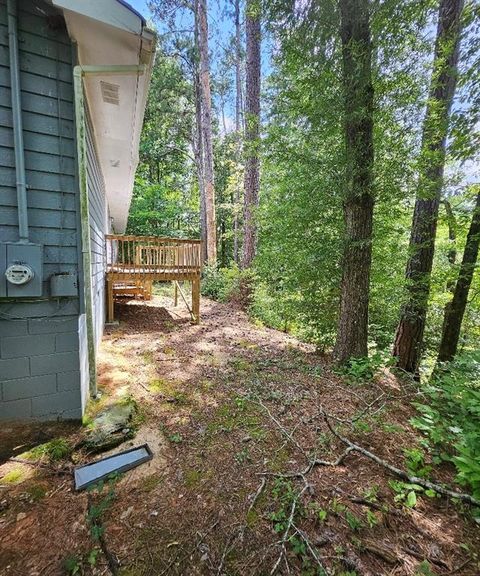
(135, 262)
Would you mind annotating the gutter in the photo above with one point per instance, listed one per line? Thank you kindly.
(21, 183)
(79, 72)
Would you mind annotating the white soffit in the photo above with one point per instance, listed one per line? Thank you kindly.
(111, 12)
(116, 101)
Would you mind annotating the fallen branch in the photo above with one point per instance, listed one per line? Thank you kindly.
(385, 553)
(283, 552)
(311, 548)
(257, 494)
(401, 473)
(424, 557)
(311, 465)
(112, 561)
(284, 431)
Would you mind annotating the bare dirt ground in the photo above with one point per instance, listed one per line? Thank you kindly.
(233, 413)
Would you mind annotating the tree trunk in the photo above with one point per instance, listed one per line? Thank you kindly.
(409, 336)
(198, 153)
(198, 139)
(206, 112)
(252, 130)
(452, 234)
(358, 203)
(238, 124)
(455, 310)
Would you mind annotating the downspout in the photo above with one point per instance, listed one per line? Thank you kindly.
(21, 184)
(78, 73)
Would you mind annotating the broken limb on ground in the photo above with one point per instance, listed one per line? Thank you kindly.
(250, 475)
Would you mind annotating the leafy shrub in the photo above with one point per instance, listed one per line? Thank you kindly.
(269, 308)
(213, 282)
(228, 284)
(451, 418)
(360, 369)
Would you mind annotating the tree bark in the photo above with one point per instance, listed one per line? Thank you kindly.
(238, 124)
(252, 130)
(452, 232)
(198, 154)
(455, 310)
(206, 113)
(410, 331)
(358, 203)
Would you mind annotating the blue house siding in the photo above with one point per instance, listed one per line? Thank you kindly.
(98, 228)
(39, 340)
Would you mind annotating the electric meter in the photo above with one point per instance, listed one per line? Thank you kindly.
(19, 274)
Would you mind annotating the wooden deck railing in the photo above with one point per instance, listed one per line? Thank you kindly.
(151, 255)
(135, 262)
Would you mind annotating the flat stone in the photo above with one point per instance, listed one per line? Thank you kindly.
(111, 427)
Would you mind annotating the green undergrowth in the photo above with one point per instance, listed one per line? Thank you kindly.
(228, 284)
(237, 414)
(449, 419)
(14, 476)
(171, 389)
(54, 450)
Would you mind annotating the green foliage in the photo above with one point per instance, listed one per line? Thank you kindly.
(371, 519)
(176, 438)
(165, 197)
(228, 284)
(353, 521)
(13, 476)
(424, 569)
(105, 492)
(322, 515)
(406, 493)
(72, 565)
(360, 369)
(55, 449)
(285, 498)
(451, 418)
(284, 495)
(415, 462)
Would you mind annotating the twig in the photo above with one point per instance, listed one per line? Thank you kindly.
(383, 552)
(287, 531)
(112, 561)
(401, 473)
(313, 552)
(192, 550)
(284, 431)
(227, 549)
(257, 494)
(458, 568)
(311, 465)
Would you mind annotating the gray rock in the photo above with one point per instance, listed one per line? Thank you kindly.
(111, 427)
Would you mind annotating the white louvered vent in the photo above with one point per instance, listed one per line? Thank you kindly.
(110, 92)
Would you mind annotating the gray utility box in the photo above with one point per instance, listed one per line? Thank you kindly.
(63, 284)
(21, 270)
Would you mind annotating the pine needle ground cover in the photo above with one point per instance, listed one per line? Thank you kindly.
(249, 475)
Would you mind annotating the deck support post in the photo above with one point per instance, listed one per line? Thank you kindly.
(148, 289)
(110, 301)
(175, 293)
(196, 299)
